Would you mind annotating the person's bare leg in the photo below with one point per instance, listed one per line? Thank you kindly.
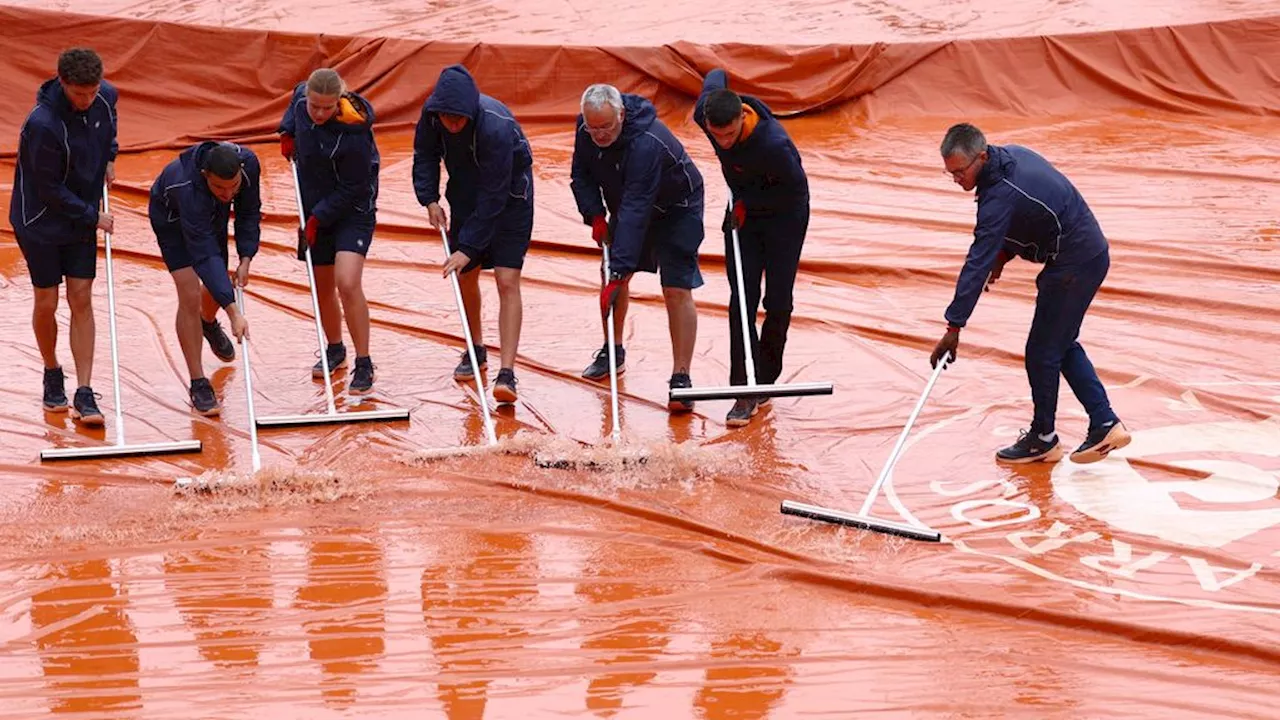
(510, 314)
(469, 285)
(682, 320)
(619, 315)
(348, 269)
(80, 301)
(187, 321)
(44, 321)
(330, 310)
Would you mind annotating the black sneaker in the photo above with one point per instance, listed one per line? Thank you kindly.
(1030, 448)
(504, 388)
(599, 368)
(680, 380)
(219, 342)
(86, 407)
(1101, 441)
(336, 353)
(362, 378)
(743, 410)
(464, 372)
(55, 391)
(203, 398)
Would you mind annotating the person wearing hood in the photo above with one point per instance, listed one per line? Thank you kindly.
(66, 152)
(1028, 209)
(627, 163)
(190, 206)
(490, 194)
(770, 211)
(327, 132)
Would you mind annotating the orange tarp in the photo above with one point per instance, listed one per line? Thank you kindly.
(355, 582)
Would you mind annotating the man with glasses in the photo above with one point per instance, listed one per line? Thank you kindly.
(1028, 209)
(626, 160)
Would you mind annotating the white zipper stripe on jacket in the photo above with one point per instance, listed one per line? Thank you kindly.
(1057, 243)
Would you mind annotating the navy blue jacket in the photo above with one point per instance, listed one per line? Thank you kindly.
(338, 161)
(764, 170)
(1030, 210)
(645, 170)
(489, 161)
(62, 162)
(181, 201)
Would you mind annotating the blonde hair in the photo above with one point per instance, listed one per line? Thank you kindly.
(327, 82)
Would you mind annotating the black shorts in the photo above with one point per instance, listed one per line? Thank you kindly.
(173, 248)
(353, 233)
(48, 263)
(510, 242)
(671, 247)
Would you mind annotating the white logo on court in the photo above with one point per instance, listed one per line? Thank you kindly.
(1116, 493)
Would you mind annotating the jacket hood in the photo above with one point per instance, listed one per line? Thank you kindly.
(354, 113)
(640, 114)
(51, 96)
(999, 163)
(455, 93)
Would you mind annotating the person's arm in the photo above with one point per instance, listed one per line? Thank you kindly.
(642, 177)
(494, 156)
(248, 207)
(586, 190)
(995, 213)
(47, 159)
(427, 154)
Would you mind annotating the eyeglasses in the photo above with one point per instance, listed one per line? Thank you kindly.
(957, 173)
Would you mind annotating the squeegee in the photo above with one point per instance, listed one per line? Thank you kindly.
(862, 519)
(331, 415)
(120, 448)
(751, 389)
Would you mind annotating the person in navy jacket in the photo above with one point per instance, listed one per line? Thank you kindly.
(627, 162)
(1028, 209)
(191, 203)
(490, 194)
(770, 211)
(328, 132)
(66, 151)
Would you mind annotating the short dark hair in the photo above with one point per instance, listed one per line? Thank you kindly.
(80, 66)
(722, 107)
(223, 161)
(965, 139)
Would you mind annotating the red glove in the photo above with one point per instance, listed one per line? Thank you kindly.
(739, 214)
(286, 146)
(609, 293)
(599, 230)
(313, 226)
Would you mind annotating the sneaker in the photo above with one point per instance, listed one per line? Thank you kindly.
(362, 379)
(599, 368)
(86, 407)
(1030, 448)
(463, 372)
(219, 342)
(1101, 441)
(203, 398)
(504, 388)
(743, 410)
(680, 380)
(55, 391)
(336, 353)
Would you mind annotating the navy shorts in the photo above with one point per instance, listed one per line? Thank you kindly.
(671, 247)
(353, 233)
(510, 241)
(173, 248)
(48, 263)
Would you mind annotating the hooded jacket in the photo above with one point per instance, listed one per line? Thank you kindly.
(61, 165)
(763, 170)
(338, 161)
(1029, 209)
(645, 170)
(489, 161)
(181, 201)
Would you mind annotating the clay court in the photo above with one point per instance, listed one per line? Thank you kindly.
(352, 579)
